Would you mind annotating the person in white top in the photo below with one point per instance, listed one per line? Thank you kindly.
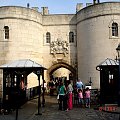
(69, 90)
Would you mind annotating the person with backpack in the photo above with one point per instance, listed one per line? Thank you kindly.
(62, 97)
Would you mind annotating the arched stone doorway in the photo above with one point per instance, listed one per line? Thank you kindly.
(58, 65)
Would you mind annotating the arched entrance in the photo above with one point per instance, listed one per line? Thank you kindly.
(58, 65)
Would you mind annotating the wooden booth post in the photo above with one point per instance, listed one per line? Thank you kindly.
(39, 92)
(43, 98)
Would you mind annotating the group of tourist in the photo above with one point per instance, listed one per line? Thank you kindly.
(65, 95)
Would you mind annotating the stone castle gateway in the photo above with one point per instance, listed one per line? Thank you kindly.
(65, 43)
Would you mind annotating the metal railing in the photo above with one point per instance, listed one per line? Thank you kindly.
(31, 93)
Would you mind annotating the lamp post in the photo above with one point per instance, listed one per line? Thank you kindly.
(90, 82)
(118, 51)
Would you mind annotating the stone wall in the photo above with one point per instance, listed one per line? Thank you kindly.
(92, 33)
(27, 36)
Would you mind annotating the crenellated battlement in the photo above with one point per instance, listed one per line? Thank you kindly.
(20, 13)
(96, 10)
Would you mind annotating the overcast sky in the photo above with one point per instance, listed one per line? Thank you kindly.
(54, 6)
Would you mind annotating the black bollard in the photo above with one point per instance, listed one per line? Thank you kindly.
(16, 118)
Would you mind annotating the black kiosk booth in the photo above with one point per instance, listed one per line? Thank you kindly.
(15, 82)
(109, 80)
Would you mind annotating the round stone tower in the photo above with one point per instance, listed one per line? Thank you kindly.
(96, 40)
(24, 27)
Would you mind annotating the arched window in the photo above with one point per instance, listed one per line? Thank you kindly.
(114, 29)
(71, 37)
(6, 29)
(48, 37)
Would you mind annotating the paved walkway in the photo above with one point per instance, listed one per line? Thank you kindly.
(51, 112)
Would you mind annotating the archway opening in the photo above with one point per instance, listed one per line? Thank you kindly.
(61, 72)
(62, 69)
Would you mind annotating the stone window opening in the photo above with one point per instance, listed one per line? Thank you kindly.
(6, 29)
(48, 37)
(114, 29)
(71, 37)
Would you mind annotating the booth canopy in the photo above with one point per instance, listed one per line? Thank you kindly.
(107, 62)
(24, 63)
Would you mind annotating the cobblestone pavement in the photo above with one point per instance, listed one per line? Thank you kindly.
(51, 112)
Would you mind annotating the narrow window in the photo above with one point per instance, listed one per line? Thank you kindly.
(114, 29)
(71, 37)
(48, 37)
(6, 29)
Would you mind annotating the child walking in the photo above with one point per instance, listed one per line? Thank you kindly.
(87, 97)
(80, 97)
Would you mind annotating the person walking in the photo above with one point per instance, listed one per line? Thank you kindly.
(51, 86)
(70, 95)
(87, 97)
